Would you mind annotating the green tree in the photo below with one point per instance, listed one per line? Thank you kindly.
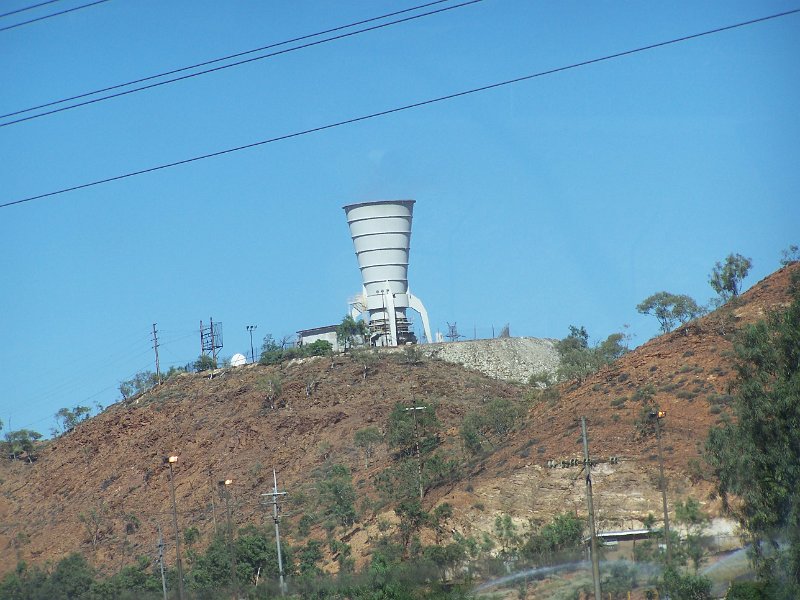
(690, 515)
(204, 362)
(439, 518)
(68, 419)
(400, 429)
(412, 519)
(670, 309)
(141, 578)
(271, 386)
(790, 255)
(22, 440)
(684, 586)
(349, 332)
(367, 358)
(756, 455)
(577, 360)
(318, 348)
(726, 278)
(143, 381)
(337, 495)
(506, 533)
(271, 351)
(563, 537)
(71, 578)
(490, 425)
(366, 439)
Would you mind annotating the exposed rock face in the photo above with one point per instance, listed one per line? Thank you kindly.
(510, 359)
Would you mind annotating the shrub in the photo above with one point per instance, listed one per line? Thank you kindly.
(491, 425)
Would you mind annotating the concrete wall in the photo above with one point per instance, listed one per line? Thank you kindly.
(328, 336)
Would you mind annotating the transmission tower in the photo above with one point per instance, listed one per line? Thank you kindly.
(452, 332)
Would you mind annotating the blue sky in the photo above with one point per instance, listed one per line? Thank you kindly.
(562, 200)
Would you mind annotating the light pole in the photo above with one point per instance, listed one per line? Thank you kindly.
(170, 460)
(657, 416)
(223, 487)
(250, 329)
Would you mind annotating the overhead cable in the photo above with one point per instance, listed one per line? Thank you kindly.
(50, 16)
(227, 66)
(402, 108)
(32, 6)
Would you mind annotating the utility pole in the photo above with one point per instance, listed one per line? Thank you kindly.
(658, 415)
(170, 460)
(213, 349)
(161, 561)
(414, 410)
(275, 493)
(213, 508)
(250, 329)
(155, 347)
(593, 540)
(223, 487)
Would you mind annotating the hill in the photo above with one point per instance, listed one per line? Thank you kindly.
(102, 489)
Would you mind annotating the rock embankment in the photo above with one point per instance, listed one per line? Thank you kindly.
(509, 359)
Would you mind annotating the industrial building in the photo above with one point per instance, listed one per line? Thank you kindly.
(381, 234)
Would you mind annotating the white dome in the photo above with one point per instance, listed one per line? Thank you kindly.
(237, 360)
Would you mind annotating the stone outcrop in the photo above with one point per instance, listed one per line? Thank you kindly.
(509, 359)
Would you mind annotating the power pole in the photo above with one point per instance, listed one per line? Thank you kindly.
(161, 561)
(658, 415)
(250, 329)
(169, 460)
(275, 493)
(414, 410)
(593, 540)
(213, 349)
(155, 347)
(213, 508)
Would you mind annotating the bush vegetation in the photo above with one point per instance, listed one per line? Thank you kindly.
(273, 353)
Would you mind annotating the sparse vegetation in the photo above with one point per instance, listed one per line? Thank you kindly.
(484, 429)
(275, 353)
(790, 255)
(203, 363)
(271, 386)
(367, 359)
(366, 439)
(333, 516)
(143, 381)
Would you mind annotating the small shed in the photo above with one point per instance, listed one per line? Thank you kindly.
(326, 332)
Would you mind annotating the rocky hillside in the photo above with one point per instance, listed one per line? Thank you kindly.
(103, 489)
(512, 359)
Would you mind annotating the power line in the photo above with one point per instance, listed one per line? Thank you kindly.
(50, 16)
(397, 109)
(222, 67)
(19, 10)
(216, 60)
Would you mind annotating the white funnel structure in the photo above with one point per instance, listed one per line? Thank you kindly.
(381, 233)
